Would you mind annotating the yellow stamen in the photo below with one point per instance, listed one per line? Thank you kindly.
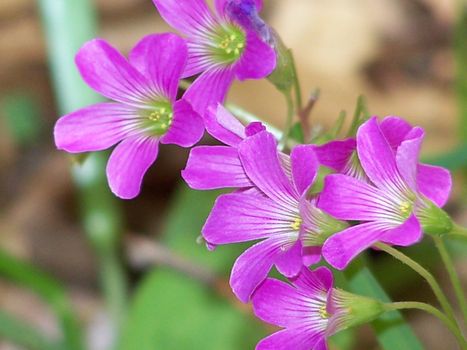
(323, 313)
(296, 224)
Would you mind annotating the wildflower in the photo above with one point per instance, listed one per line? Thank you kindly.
(390, 204)
(310, 310)
(220, 46)
(433, 181)
(275, 211)
(144, 113)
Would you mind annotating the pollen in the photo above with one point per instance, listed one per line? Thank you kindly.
(405, 208)
(323, 313)
(230, 43)
(157, 118)
(296, 224)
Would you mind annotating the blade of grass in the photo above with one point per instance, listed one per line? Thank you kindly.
(68, 24)
(49, 290)
(20, 333)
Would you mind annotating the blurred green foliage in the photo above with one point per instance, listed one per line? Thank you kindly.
(171, 310)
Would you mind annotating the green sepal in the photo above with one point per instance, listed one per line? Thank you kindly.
(283, 76)
(434, 220)
(354, 310)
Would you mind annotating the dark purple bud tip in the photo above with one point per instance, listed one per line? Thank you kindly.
(245, 13)
(254, 128)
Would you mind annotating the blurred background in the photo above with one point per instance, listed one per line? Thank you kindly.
(136, 270)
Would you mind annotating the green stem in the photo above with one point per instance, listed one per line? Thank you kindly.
(296, 84)
(422, 272)
(288, 124)
(392, 331)
(459, 231)
(68, 25)
(456, 283)
(450, 324)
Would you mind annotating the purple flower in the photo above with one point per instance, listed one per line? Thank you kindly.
(214, 167)
(434, 182)
(145, 111)
(390, 204)
(221, 46)
(310, 310)
(275, 211)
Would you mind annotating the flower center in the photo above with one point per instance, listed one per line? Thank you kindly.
(229, 44)
(323, 312)
(296, 224)
(405, 208)
(157, 118)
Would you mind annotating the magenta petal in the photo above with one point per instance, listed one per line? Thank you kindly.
(188, 16)
(161, 58)
(301, 338)
(311, 255)
(394, 130)
(410, 232)
(342, 247)
(290, 262)
(128, 163)
(187, 126)
(214, 167)
(347, 198)
(210, 88)
(435, 183)
(280, 304)
(258, 60)
(105, 70)
(260, 160)
(336, 154)
(407, 156)
(316, 282)
(304, 167)
(376, 156)
(252, 267)
(223, 126)
(240, 217)
(93, 128)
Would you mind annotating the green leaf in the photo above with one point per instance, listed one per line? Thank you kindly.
(391, 329)
(21, 333)
(454, 160)
(171, 311)
(296, 133)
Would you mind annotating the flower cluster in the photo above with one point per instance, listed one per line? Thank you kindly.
(219, 47)
(375, 191)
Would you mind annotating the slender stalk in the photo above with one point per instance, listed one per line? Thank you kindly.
(459, 231)
(422, 272)
(456, 283)
(407, 305)
(391, 329)
(296, 84)
(288, 124)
